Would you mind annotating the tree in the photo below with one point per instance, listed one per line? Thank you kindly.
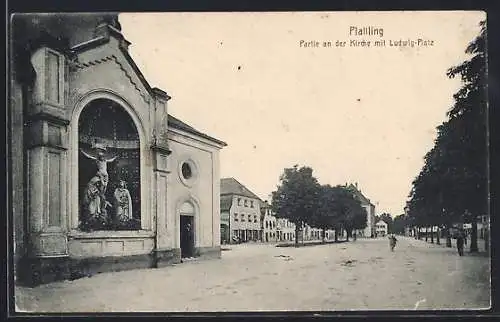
(452, 185)
(399, 225)
(296, 197)
(327, 215)
(352, 215)
(470, 111)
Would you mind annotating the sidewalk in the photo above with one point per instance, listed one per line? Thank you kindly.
(481, 244)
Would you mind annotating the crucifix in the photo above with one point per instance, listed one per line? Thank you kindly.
(102, 164)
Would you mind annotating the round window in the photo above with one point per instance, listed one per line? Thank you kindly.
(186, 170)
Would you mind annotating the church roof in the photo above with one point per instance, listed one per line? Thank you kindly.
(180, 125)
(231, 186)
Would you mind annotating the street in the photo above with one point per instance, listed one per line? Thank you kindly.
(360, 275)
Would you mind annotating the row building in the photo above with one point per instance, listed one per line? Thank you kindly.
(240, 212)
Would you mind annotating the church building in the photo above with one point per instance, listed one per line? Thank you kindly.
(100, 176)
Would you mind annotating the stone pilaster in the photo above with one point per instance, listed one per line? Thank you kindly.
(47, 156)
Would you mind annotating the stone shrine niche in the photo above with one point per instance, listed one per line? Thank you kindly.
(109, 182)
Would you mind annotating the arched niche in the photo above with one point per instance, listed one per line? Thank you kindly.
(108, 143)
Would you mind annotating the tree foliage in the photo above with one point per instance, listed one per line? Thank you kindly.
(452, 185)
(296, 197)
(302, 200)
(399, 224)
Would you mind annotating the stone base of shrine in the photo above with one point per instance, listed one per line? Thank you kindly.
(208, 252)
(166, 257)
(42, 270)
(101, 251)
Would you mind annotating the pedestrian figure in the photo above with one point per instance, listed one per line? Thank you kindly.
(392, 242)
(460, 244)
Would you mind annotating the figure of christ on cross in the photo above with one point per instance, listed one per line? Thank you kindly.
(102, 164)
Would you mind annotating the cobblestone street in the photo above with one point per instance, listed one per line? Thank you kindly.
(360, 275)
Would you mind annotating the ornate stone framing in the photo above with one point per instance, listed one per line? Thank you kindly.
(197, 225)
(145, 176)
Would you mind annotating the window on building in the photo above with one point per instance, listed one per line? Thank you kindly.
(267, 224)
(249, 218)
(242, 217)
(235, 217)
(251, 203)
(255, 218)
(246, 203)
(186, 170)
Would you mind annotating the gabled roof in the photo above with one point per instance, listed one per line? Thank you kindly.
(358, 194)
(231, 186)
(180, 125)
(381, 222)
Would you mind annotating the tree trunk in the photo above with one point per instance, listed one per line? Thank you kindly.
(347, 234)
(487, 240)
(336, 234)
(296, 235)
(438, 241)
(473, 236)
(426, 233)
(324, 235)
(432, 234)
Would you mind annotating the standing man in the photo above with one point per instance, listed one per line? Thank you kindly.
(460, 244)
(392, 242)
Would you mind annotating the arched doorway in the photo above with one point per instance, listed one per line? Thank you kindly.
(187, 229)
(109, 182)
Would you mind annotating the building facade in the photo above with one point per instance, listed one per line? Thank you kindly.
(269, 224)
(381, 229)
(242, 207)
(312, 233)
(369, 231)
(285, 229)
(101, 176)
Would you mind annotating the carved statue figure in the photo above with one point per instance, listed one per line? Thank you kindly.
(102, 165)
(94, 199)
(123, 201)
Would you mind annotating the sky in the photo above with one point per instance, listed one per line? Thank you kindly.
(355, 114)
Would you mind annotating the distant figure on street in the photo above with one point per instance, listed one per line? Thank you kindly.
(392, 242)
(460, 244)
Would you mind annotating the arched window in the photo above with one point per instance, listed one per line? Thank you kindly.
(108, 168)
(187, 209)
